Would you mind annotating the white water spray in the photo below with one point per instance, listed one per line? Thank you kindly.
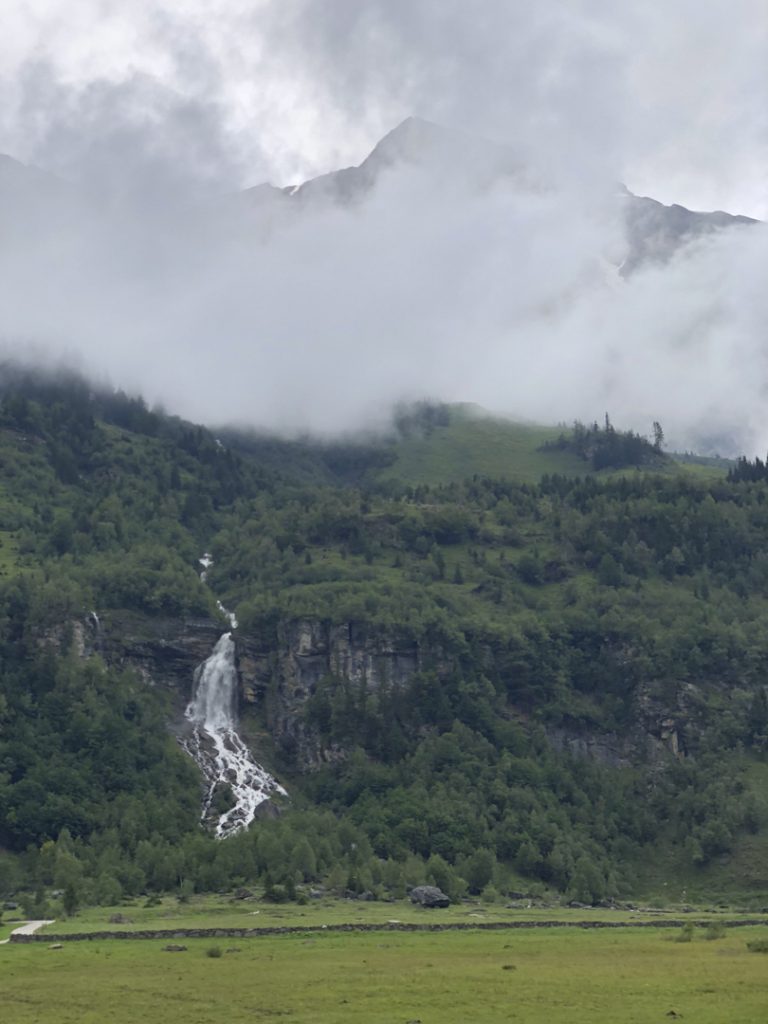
(214, 742)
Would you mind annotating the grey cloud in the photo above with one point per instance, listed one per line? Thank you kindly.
(498, 295)
(669, 97)
(502, 295)
(592, 87)
(138, 134)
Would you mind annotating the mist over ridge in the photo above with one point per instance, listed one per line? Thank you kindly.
(442, 266)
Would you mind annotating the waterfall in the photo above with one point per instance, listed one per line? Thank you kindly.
(213, 706)
(213, 740)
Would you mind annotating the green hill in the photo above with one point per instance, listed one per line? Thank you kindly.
(437, 444)
(470, 442)
(487, 683)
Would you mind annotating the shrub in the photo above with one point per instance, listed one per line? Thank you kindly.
(686, 933)
(715, 930)
(186, 890)
(276, 894)
(490, 894)
(214, 952)
(758, 946)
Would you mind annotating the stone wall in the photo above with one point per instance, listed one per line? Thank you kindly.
(251, 933)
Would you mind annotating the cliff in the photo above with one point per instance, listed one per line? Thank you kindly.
(280, 680)
(163, 651)
(277, 679)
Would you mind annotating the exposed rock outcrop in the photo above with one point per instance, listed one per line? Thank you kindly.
(660, 728)
(278, 676)
(282, 679)
(164, 652)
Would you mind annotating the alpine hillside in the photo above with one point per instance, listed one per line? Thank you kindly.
(541, 670)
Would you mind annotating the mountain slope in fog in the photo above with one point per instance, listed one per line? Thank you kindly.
(444, 266)
(654, 232)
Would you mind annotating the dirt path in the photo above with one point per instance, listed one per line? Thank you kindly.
(29, 928)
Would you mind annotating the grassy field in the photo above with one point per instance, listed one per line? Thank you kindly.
(475, 442)
(212, 912)
(9, 922)
(491, 447)
(554, 975)
(224, 912)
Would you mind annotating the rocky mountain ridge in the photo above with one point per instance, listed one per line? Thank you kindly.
(654, 232)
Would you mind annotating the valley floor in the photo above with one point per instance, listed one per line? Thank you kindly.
(637, 976)
(221, 912)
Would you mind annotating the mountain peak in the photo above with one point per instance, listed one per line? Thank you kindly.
(10, 168)
(412, 139)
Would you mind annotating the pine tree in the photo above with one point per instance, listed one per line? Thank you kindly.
(70, 900)
(658, 436)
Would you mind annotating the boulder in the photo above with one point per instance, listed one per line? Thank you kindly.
(172, 948)
(119, 919)
(429, 896)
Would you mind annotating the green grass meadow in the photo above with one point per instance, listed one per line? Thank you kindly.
(633, 976)
(7, 925)
(473, 443)
(212, 911)
(476, 442)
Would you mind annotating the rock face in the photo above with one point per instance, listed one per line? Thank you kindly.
(660, 729)
(429, 896)
(309, 652)
(278, 675)
(608, 748)
(279, 678)
(656, 232)
(164, 652)
(653, 232)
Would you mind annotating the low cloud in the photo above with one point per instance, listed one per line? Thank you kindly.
(146, 264)
(321, 317)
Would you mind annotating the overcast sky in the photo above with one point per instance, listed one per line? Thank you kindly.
(671, 96)
(501, 296)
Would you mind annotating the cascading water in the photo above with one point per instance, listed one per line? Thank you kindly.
(214, 742)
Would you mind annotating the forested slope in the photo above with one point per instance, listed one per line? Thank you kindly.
(582, 660)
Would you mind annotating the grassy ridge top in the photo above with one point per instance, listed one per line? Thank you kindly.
(552, 975)
(489, 446)
(474, 442)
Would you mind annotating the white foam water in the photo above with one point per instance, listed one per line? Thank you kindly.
(206, 561)
(213, 740)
